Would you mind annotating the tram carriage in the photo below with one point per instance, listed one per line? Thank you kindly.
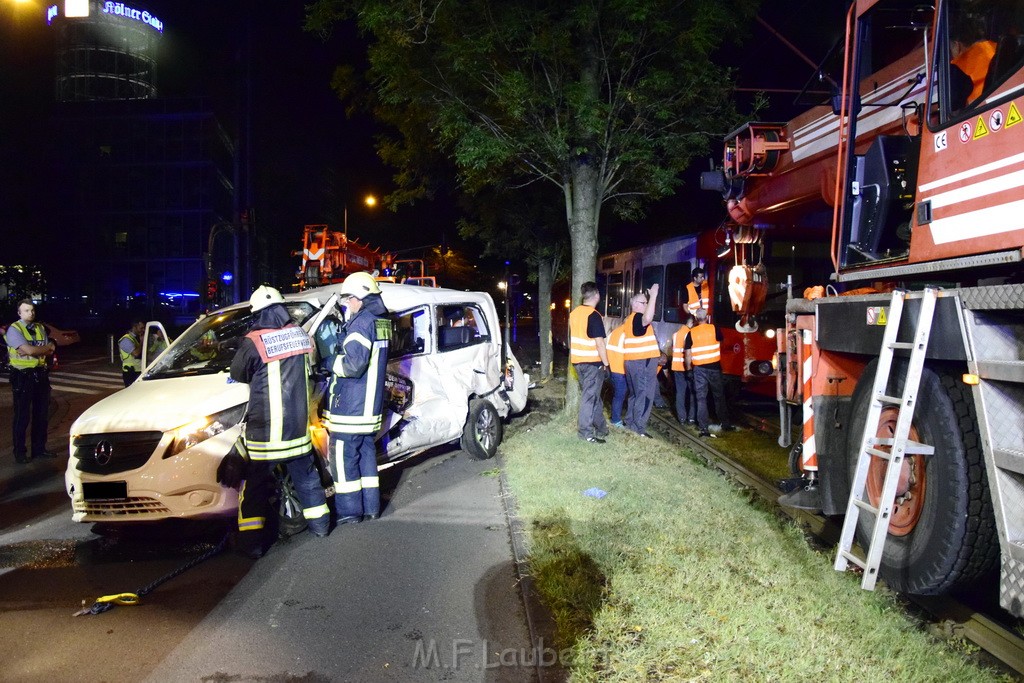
(748, 344)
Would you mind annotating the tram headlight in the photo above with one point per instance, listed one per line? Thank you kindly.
(762, 368)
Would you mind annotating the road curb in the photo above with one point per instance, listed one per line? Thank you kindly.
(538, 619)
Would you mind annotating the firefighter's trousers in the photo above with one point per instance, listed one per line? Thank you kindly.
(354, 468)
(254, 498)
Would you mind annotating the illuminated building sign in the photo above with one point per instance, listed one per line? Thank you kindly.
(119, 9)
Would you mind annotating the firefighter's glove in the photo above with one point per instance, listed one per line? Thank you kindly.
(232, 469)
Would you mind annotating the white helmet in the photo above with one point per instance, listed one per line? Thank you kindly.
(359, 285)
(263, 297)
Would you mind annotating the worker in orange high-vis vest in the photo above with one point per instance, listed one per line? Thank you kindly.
(589, 358)
(698, 294)
(703, 353)
(617, 372)
(642, 353)
(686, 395)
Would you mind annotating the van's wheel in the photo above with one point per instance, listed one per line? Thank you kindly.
(942, 530)
(290, 520)
(483, 430)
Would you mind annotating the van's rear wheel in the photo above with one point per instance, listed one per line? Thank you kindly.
(483, 430)
(943, 529)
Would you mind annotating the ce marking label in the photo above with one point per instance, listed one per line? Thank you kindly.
(941, 141)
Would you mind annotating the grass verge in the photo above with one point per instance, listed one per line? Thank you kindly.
(673, 575)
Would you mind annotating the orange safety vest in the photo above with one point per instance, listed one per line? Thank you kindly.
(639, 348)
(975, 61)
(678, 351)
(582, 349)
(693, 302)
(705, 349)
(616, 350)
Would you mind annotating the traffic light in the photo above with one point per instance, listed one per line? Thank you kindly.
(212, 287)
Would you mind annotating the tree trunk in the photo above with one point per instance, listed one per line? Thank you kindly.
(545, 280)
(583, 209)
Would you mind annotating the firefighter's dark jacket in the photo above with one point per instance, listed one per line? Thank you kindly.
(273, 361)
(358, 367)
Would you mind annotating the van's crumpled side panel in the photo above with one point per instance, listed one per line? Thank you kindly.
(441, 384)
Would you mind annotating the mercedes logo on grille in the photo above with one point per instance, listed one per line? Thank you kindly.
(103, 453)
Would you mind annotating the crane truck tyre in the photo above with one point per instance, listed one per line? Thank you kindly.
(483, 430)
(942, 532)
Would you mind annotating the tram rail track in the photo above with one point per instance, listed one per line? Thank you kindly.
(952, 617)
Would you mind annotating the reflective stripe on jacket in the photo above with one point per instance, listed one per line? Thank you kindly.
(639, 348)
(20, 362)
(616, 350)
(693, 302)
(705, 349)
(277, 418)
(582, 349)
(359, 369)
(679, 349)
(128, 361)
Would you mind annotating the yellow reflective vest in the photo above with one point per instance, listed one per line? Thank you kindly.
(695, 301)
(128, 361)
(36, 337)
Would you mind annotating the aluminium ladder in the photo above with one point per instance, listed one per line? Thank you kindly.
(900, 444)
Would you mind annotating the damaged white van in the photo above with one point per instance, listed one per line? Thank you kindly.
(151, 451)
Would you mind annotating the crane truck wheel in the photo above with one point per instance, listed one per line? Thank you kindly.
(942, 531)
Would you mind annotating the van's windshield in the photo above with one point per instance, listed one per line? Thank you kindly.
(209, 345)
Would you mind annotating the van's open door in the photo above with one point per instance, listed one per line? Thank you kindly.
(154, 343)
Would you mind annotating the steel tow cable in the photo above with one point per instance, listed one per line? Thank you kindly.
(108, 602)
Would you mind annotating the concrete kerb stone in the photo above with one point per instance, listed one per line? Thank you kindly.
(538, 618)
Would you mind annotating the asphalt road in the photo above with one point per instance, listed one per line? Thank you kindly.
(427, 592)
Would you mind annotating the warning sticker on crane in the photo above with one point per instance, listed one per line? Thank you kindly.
(1013, 117)
(876, 315)
(980, 130)
(965, 131)
(995, 120)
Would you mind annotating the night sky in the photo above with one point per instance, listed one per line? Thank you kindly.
(309, 157)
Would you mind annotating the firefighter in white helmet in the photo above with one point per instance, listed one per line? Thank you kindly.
(357, 358)
(273, 359)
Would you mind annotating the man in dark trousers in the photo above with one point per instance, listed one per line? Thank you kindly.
(358, 362)
(642, 354)
(130, 348)
(703, 349)
(28, 348)
(273, 359)
(590, 361)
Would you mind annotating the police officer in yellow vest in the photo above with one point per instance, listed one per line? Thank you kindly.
(590, 360)
(703, 349)
(27, 348)
(642, 353)
(130, 347)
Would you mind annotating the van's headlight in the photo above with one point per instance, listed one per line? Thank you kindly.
(200, 430)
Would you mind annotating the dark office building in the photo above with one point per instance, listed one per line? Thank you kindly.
(140, 182)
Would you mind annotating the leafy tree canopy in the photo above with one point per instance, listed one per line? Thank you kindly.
(626, 90)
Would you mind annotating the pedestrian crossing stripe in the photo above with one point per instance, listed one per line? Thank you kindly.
(76, 390)
(100, 382)
(88, 381)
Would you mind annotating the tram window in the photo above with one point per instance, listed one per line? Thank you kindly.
(602, 287)
(628, 288)
(614, 298)
(677, 276)
(636, 281)
(652, 275)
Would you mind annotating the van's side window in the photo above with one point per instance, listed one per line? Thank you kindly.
(460, 325)
(410, 332)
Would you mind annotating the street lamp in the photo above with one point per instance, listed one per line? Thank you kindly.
(369, 200)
